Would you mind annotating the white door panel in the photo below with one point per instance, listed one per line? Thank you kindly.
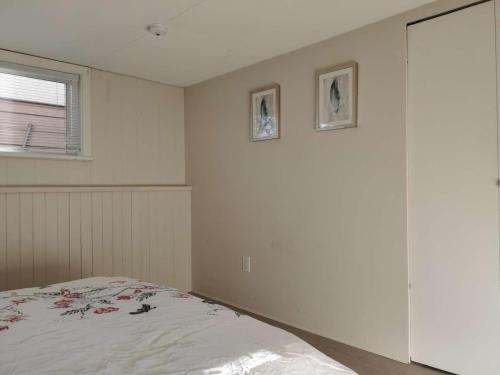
(453, 192)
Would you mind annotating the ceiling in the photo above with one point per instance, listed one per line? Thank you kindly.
(205, 38)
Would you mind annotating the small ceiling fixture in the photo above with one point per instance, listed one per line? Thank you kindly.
(157, 29)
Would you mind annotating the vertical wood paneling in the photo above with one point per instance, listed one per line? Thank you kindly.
(154, 236)
(136, 237)
(86, 234)
(3, 242)
(145, 247)
(49, 237)
(39, 241)
(167, 254)
(107, 233)
(63, 235)
(161, 238)
(13, 245)
(140, 243)
(97, 256)
(182, 241)
(117, 233)
(75, 245)
(26, 238)
(127, 233)
(51, 244)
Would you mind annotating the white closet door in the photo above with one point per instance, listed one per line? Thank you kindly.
(453, 193)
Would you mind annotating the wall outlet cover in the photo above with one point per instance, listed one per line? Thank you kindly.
(245, 263)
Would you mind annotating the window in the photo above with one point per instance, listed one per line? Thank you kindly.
(41, 109)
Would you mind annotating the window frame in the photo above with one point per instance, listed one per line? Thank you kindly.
(84, 73)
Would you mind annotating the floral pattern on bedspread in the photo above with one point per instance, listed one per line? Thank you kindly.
(82, 300)
(118, 325)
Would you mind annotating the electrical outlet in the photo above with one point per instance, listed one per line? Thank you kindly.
(245, 263)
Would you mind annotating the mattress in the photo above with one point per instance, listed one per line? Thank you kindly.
(118, 325)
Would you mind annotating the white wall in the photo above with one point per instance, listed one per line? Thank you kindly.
(137, 138)
(322, 214)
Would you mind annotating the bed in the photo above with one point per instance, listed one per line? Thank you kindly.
(118, 325)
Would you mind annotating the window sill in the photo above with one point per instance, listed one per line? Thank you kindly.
(41, 155)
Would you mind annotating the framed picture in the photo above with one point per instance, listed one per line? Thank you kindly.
(265, 113)
(336, 97)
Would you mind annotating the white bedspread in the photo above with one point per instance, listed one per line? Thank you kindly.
(85, 327)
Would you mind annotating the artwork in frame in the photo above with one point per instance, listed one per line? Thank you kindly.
(336, 97)
(265, 113)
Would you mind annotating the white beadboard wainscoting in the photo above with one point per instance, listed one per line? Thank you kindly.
(59, 233)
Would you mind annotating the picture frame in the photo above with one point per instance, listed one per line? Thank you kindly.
(265, 121)
(337, 97)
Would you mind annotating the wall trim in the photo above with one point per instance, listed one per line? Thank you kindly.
(447, 12)
(89, 188)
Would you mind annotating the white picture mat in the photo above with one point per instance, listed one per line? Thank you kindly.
(322, 115)
(255, 125)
